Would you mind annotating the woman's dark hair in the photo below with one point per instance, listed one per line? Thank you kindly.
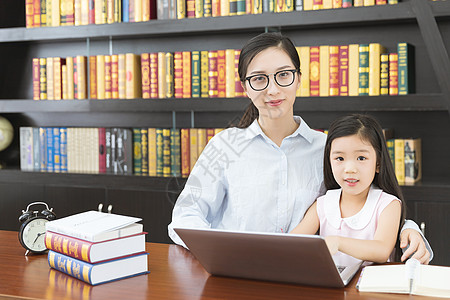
(249, 51)
(369, 130)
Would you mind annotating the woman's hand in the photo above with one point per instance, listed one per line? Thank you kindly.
(416, 246)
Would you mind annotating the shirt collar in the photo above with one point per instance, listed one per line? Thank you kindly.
(357, 221)
(303, 130)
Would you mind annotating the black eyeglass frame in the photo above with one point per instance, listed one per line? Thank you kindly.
(274, 77)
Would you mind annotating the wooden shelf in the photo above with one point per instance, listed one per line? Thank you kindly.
(414, 102)
(131, 182)
(383, 14)
(429, 190)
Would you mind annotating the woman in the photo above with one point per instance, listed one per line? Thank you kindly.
(264, 174)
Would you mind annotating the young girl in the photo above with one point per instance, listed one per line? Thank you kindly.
(360, 214)
(264, 174)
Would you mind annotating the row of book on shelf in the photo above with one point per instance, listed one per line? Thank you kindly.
(97, 247)
(327, 70)
(46, 13)
(155, 151)
(121, 151)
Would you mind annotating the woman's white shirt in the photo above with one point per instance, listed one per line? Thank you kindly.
(244, 181)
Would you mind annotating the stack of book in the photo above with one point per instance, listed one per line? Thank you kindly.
(97, 247)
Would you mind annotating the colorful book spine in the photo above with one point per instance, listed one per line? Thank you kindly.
(81, 77)
(364, 69)
(166, 153)
(230, 74)
(178, 74)
(137, 154)
(145, 74)
(108, 82)
(393, 74)
(212, 74)
(196, 73)
(181, 9)
(207, 8)
(375, 51)
(122, 76)
(353, 70)
(42, 78)
(37, 13)
(346, 3)
(384, 74)
(304, 54)
(175, 152)
(50, 149)
(391, 150)
(169, 75)
(334, 70)
(43, 149)
(152, 151)
(221, 74)
(257, 7)
(413, 160)
(187, 74)
(198, 8)
(215, 8)
(238, 88)
(29, 14)
(70, 78)
(133, 76)
(161, 75)
(193, 147)
(93, 77)
(190, 8)
(204, 70)
(36, 79)
(56, 150)
(185, 152)
(405, 68)
(100, 77)
(399, 152)
(343, 70)
(114, 76)
(102, 150)
(314, 71)
(154, 75)
(108, 159)
(159, 152)
(36, 150)
(144, 151)
(50, 81)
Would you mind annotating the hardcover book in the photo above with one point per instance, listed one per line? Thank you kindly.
(413, 160)
(101, 272)
(384, 74)
(364, 69)
(406, 84)
(95, 252)
(94, 226)
(334, 70)
(314, 71)
(393, 74)
(375, 51)
(343, 70)
(154, 75)
(303, 53)
(145, 72)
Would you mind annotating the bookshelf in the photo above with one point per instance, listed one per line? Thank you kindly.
(424, 114)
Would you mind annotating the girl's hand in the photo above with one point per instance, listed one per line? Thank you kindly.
(332, 243)
(416, 248)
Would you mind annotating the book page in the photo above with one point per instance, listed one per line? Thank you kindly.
(432, 281)
(388, 279)
(90, 223)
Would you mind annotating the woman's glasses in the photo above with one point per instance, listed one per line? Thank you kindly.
(283, 78)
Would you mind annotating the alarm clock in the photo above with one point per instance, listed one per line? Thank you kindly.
(32, 228)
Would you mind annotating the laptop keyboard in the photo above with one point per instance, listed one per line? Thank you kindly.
(341, 268)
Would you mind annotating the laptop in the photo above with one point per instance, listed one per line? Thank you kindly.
(289, 258)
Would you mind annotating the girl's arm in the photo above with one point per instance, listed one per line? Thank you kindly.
(310, 223)
(376, 250)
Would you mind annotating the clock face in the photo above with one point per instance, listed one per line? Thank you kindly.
(33, 234)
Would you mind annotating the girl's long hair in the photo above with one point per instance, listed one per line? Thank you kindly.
(368, 129)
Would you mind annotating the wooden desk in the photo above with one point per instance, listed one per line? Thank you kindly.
(175, 274)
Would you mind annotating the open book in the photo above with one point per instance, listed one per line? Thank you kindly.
(409, 278)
